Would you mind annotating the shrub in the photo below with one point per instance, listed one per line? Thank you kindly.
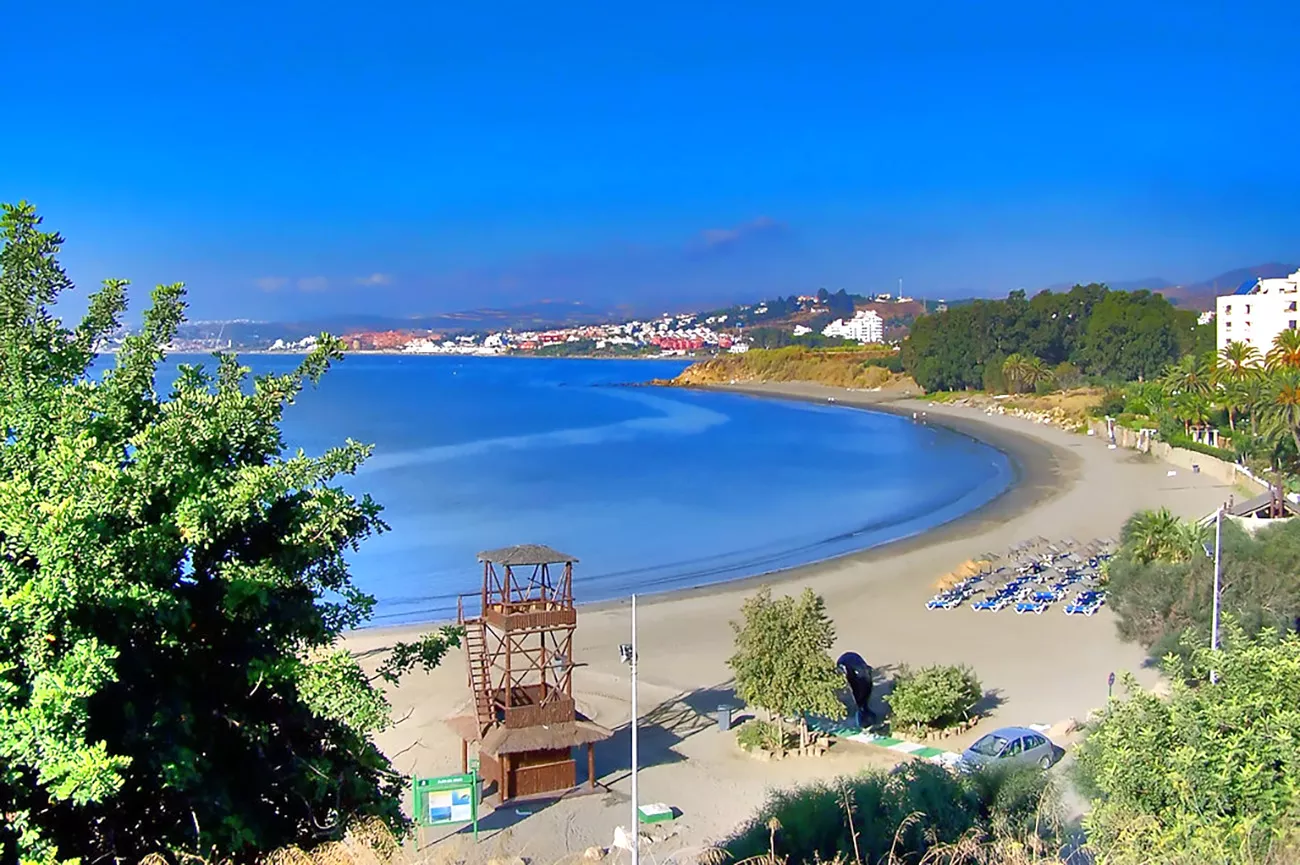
(934, 698)
(1112, 403)
(916, 809)
(762, 735)
(1182, 441)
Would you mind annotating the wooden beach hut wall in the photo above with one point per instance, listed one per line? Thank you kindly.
(519, 652)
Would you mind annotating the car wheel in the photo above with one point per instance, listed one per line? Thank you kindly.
(1045, 763)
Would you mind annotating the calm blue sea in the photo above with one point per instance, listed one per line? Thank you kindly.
(652, 489)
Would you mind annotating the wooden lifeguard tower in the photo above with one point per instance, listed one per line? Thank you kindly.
(519, 651)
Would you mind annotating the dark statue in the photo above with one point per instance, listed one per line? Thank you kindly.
(858, 675)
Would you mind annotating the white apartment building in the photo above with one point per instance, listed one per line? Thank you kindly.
(1258, 311)
(865, 326)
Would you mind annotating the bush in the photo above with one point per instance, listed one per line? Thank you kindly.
(994, 380)
(934, 698)
(922, 805)
(1112, 404)
(763, 736)
(1182, 441)
(1066, 375)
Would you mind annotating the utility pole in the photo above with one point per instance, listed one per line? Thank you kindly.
(627, 651)
(1214, 622)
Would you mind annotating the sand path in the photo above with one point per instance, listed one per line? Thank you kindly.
(1039, 669)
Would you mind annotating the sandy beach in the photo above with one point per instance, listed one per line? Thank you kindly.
(1036, 669)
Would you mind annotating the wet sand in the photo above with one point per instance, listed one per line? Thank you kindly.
(1036, 669)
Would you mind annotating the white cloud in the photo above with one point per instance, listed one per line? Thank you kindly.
(375, 279)
(313, 283)
(271, 283)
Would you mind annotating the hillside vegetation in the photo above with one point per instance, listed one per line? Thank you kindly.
(855, 368)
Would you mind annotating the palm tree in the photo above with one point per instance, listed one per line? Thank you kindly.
(1159, 536)
(1192, 409)
(1284, 407)
(1285, 353)
(1034, 372)
(1013, 370)
(1191, 374)
(1238, 362)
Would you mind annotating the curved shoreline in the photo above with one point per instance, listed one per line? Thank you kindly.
(1041, 472)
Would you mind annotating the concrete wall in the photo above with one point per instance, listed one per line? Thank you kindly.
(1221, 470)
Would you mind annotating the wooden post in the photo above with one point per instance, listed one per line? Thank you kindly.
(505, 777)
(591, 765)
(464, 757)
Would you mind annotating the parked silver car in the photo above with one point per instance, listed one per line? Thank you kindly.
(1018, 746)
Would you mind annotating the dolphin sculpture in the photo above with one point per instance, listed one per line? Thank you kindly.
(858, 675)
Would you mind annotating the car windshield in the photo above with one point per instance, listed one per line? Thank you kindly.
(989, 746)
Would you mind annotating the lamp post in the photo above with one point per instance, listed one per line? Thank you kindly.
(627, 652)
(1214, 619)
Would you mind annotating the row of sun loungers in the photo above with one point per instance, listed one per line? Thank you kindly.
(1034, 575)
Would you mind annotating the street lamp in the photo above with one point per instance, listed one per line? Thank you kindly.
(1214, 620)
(627, 654)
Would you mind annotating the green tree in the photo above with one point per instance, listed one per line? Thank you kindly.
(782, 661)
(173, 590)
(1129, 335)
(1210, 774)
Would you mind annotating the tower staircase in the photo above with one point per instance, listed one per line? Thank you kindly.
(480, 683)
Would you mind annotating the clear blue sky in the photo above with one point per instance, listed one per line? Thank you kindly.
(293, 158)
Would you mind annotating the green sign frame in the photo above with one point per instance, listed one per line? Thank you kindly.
(447, 799)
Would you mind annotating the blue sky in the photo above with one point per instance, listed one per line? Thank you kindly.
(290, 159)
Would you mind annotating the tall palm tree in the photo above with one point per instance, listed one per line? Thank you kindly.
(1238, 362)
(1192, 409)
(1284, 407)
(1285, 353)
(1034, 372)
(1013, 370)
(1191, 374)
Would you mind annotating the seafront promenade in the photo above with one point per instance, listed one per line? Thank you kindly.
(1038, 669)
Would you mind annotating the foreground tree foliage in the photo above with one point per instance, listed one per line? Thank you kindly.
(1211, 774)
(782, 661)
(172, 590)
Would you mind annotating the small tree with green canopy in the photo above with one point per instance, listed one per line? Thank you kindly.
(172, 592)
(782, 661)
(1209, 774)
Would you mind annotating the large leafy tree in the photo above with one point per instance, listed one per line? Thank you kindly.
(172, 590)
(1210, 774)
(782, 661)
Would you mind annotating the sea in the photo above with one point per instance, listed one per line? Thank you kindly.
(650, 489)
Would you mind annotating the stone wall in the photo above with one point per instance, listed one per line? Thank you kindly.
(1221, 470)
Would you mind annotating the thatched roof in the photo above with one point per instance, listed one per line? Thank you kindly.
(503, 740)
(525, 554)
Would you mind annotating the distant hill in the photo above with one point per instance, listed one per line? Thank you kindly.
(535, 316)
(1201, 295)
